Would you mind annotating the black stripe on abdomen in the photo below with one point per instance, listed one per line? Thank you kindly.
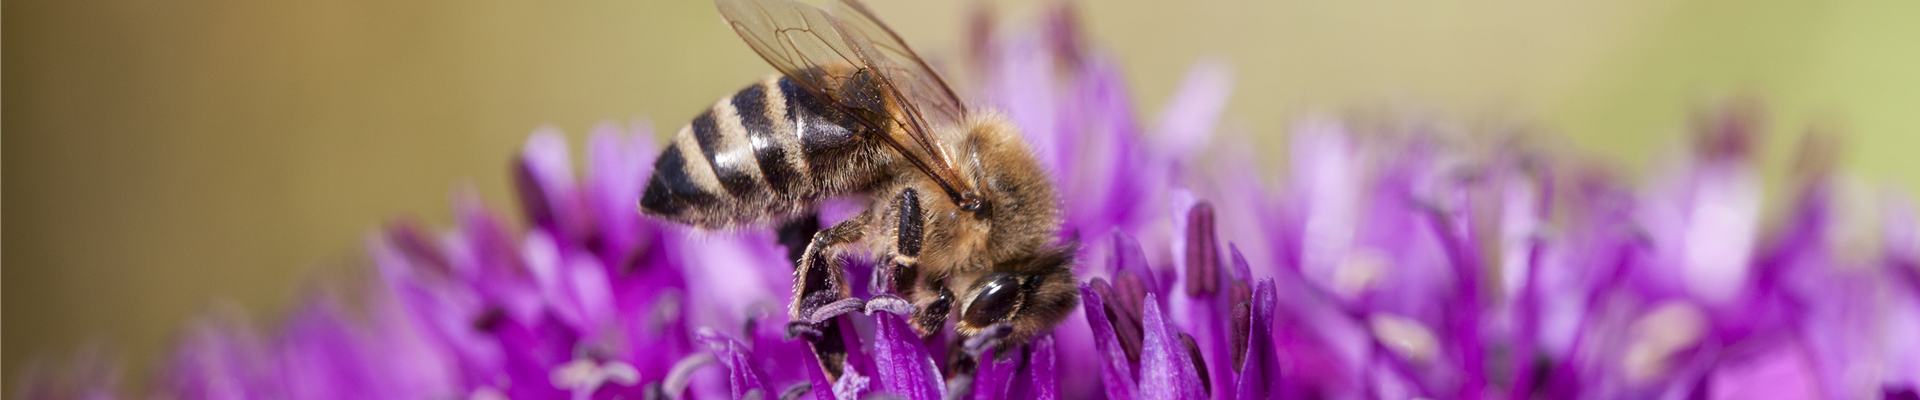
(670, 191)
(732, 176)
(768, 150)
(826, 134)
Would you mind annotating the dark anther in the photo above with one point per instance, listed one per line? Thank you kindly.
(1130, 292)
(1239, 292)
(1199, 362)
(1242, 331)
(1241, 297)
(1203, 252)
(1126, 326)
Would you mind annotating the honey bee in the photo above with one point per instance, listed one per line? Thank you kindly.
(854, 111)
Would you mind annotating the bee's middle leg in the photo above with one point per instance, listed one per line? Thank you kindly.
(821, 294)
(901, 276)
(820, 286)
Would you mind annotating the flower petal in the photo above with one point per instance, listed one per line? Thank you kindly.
(994, 375)
(544, 181)
(1187, 122)
(903, 365)
(1240, 298)
(1124, 323)
(1114, 371)
(852, 385)
(617, 165)
(1783, 371)
(220, 359)
(743, 371)
(1043, 383)
(821, 387)
(1128, 257)
(1166, 368)
(1260, 375)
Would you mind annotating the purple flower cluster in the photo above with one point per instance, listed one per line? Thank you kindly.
(1395, 261)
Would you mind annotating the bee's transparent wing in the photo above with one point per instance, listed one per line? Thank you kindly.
(860, 66)
(905, 70)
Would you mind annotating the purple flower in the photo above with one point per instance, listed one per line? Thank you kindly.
(1393, 260)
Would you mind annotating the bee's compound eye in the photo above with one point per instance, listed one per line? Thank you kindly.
(999, 296)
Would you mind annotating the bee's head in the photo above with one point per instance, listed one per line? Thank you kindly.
(1031, 297)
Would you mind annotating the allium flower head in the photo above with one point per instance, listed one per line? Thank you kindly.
(1392, 260)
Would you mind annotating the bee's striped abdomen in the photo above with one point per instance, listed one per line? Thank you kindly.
(768, 152)
(769, 148)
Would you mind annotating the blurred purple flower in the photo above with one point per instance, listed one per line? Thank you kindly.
(1393, 261)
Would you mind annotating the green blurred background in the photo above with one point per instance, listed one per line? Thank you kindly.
(162, 157)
